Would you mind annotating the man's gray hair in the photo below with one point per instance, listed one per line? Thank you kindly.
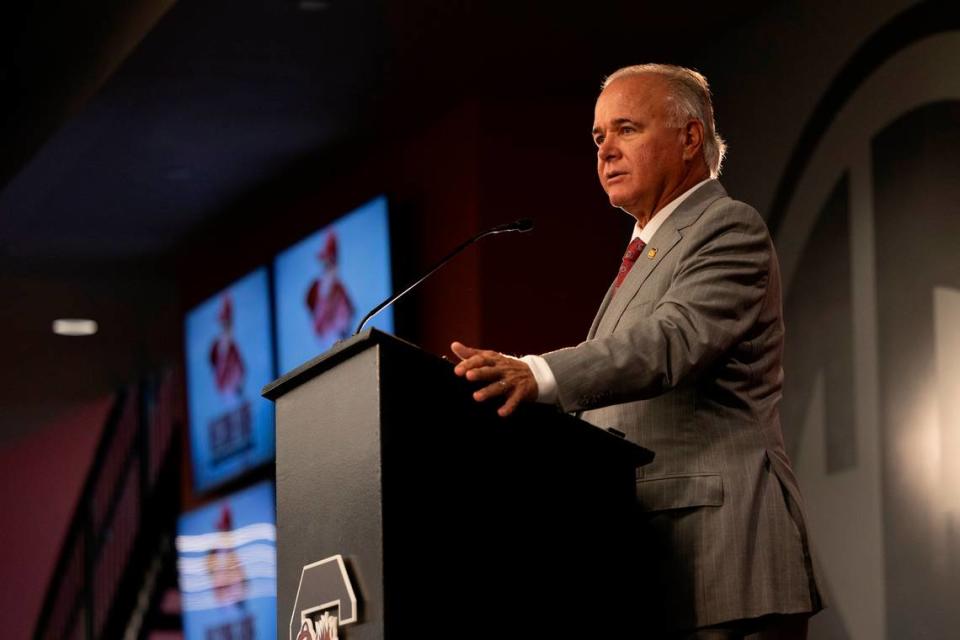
(689, 95)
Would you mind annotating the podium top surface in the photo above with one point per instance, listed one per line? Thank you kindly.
(346, 349)
(334, 355)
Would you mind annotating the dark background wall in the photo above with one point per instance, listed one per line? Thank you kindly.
(492, 124)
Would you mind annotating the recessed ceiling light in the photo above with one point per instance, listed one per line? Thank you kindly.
(74, 327)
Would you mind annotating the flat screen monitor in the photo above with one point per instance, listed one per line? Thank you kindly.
(227, 565)
(229, 354)
(328, 281)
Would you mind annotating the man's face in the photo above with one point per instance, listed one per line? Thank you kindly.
(639, 155)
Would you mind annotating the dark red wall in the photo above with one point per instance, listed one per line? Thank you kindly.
(41, 477)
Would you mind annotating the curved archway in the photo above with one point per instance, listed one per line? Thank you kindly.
(860, 446)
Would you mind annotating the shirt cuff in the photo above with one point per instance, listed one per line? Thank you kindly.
(546, 382)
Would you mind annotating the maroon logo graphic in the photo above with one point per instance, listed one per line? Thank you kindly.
(224, 566)
(225, 358)
(327, 300)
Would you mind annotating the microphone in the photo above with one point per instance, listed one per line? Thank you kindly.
(517, 226)
(521, 226)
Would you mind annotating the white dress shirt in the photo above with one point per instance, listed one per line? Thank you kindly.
(546, 382)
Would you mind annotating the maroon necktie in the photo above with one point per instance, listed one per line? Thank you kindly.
(633, 252)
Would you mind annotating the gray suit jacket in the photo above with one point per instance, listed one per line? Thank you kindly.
(686, 360)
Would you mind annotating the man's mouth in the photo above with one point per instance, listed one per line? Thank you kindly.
(613, 175)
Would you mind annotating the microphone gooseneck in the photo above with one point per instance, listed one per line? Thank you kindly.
(517, 226)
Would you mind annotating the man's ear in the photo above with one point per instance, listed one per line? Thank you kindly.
(692, 139)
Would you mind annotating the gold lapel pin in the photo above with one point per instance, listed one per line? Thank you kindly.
(652, 253)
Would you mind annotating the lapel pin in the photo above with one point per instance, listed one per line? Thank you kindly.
(652, 253)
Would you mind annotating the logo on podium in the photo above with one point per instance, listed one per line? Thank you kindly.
(325, 601)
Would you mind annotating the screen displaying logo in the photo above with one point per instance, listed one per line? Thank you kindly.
(229, 359)
(330, 306)
(326, 282)
(228, 568)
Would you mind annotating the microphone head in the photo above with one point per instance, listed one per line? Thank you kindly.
(523, 225)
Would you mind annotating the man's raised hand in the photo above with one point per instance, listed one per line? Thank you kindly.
(506, 376)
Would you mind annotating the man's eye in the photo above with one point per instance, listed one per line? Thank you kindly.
(627, 129)
(598, 140)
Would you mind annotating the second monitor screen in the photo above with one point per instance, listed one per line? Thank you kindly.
(328, 281)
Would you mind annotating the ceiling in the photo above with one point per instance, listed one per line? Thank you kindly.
(221, 95)
(128, 124)
(218, 96)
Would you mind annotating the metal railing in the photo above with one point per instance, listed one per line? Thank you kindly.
(129, 501)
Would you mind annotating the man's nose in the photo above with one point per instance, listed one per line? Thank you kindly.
(607, 150)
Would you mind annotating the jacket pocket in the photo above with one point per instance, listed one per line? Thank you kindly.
(680, 491)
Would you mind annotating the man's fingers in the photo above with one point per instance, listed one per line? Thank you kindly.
(484, 373)
(491, 391)
(473, 362)
(523, 391)
(510, 404)
(508, 377)
(471, 358)
(462, 351)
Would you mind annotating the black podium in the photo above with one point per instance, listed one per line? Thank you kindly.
(407, 510)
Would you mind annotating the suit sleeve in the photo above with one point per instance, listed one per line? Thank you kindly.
(715, 295)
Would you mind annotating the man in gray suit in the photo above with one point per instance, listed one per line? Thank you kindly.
(684, 356)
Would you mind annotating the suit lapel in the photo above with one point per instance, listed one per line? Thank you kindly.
(660, 245)
(600, 312)
(665, 239)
